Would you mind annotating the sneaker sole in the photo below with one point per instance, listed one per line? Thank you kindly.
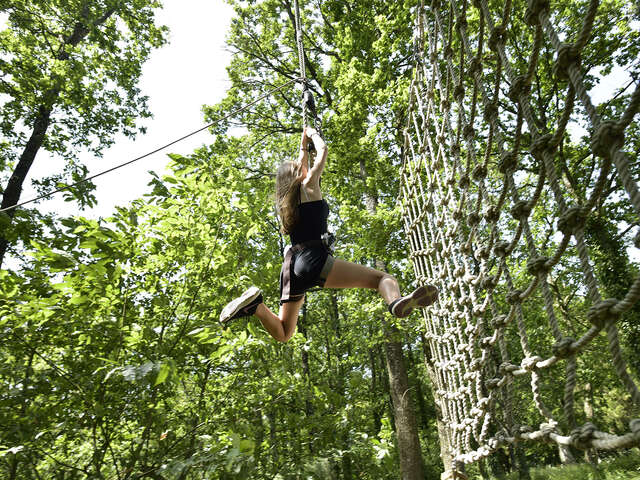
(421, 297)
(242, 301)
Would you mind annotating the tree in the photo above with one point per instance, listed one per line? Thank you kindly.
(68, 80)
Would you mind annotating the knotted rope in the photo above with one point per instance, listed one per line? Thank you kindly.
(470, 212)
(308, 103)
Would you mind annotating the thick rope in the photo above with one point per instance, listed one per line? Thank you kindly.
(301, 62)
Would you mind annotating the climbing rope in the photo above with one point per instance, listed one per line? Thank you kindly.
(159, 149)
(463, 182)
(308, 103)
(301, 64)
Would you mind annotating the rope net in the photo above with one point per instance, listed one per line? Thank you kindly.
(482, 172)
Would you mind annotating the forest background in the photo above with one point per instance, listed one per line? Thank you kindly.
(112, 363)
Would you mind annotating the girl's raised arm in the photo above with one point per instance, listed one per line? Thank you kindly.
(321, 154)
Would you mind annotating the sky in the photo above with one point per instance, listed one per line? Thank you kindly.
(179, 78)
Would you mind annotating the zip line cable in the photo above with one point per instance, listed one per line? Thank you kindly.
(87, 179)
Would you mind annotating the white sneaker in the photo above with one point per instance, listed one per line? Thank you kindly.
(243, 306)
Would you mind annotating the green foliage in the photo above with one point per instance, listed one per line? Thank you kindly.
(623, 467)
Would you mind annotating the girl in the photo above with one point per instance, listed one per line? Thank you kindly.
(308, 262)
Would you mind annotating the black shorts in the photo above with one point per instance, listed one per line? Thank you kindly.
(304, 267)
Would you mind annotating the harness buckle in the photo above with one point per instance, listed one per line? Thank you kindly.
(329, 240)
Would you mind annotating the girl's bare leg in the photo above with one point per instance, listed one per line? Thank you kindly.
(282, 326)
(351, 275)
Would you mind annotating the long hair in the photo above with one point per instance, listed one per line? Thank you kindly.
(288, 180)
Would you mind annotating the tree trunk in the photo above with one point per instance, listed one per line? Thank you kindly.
(591, 454)
(443, 435)
(11, 195)
(445, 448)
(425, 412)
(406, 424)
(377, 411)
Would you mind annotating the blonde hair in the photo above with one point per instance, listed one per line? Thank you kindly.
(288, 180)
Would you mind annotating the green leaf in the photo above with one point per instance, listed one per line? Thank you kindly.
(78, 300)
(163, 374)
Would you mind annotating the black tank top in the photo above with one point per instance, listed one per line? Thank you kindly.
(312, 221)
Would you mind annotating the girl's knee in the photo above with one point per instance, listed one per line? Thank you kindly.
(388, 278)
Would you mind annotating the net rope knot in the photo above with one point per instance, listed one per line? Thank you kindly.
(521, 210)
(562, 348)
(489, 282)
(534, 8)
(464, 181)
(497, 36)
(480, 171)
(502, 436)
(607, 136)
(519, 430)
(547, 429)
(572, 219)
(582, 437)
(530, 363)
(492, 383)
(514, 297)
(492, 214)
(568, 55)
(507, 368)
(508, 162)
(520, 86)
(475, 65)
(540, 144)
(500, 321)
(538, 266)
(602, 311)
(469, 132)
(500, 248)
(429, 207)
(487, 342)
(490, 112)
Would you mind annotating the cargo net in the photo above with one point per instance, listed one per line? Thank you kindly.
(492, 221)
